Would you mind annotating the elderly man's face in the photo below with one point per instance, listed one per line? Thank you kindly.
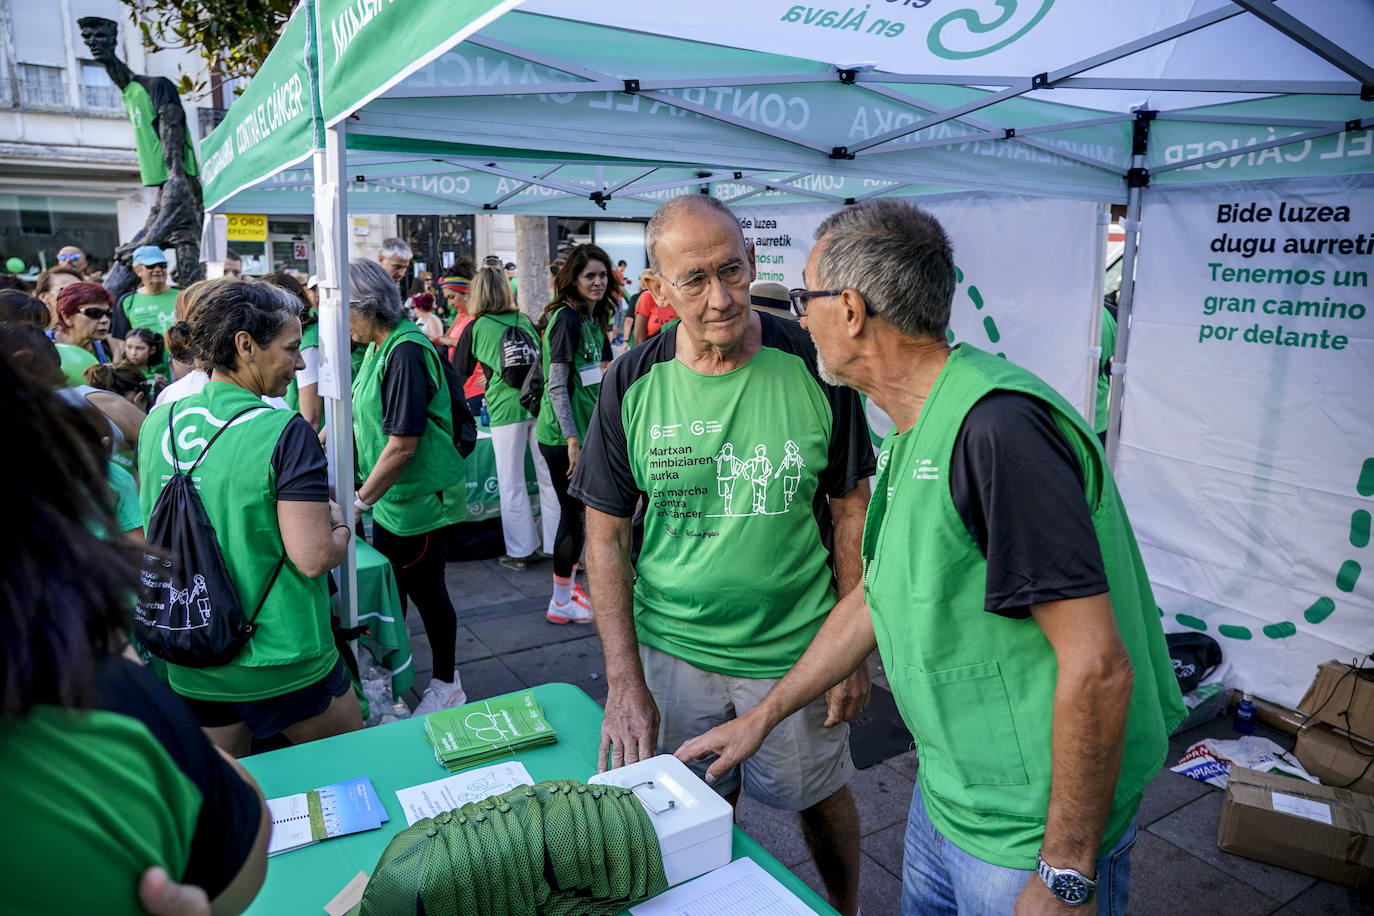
(73, 257)
(154, 276)
(704, 274)
(395, 265)
(822, 322)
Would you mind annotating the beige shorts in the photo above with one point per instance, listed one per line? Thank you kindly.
(799, 764)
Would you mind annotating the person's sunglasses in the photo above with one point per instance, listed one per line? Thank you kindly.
(69, 257)
(161, 266)
(95, 312)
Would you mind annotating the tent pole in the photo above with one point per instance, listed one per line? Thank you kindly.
(1137, 179)
(336, 377)
(1104, 219)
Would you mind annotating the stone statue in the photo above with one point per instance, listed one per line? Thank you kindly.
(166, 161)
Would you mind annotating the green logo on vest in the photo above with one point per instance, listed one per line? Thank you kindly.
(194, 435)
(975, 26)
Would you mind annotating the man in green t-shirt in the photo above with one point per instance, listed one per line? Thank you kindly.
(153, 305)
(1002, 586)
(748, 466)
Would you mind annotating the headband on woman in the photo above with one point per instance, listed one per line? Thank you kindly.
(457, 284)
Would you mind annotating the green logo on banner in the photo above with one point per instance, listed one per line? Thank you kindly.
(974, 23)
(1324, 606)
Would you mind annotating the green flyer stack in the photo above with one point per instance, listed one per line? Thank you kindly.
(479, 733)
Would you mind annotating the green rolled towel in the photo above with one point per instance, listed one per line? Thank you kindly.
(558, 848)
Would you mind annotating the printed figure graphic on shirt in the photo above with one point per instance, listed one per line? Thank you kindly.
(728, 468)
(792, 464)
(757, 471)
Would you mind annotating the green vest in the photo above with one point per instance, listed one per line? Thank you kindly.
(293, 645)
(431, 492)
(154, 311)
(310, 337)
(152, 161)
(588, 356)
(503, 401)
(976, 688)
(92, 800)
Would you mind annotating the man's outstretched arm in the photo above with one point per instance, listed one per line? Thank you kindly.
(841, 645)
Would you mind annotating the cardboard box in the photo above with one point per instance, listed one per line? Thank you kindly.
(1317, 830)
(1337, 758)
(1343, 697)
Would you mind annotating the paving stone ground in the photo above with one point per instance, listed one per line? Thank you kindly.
(505, 644)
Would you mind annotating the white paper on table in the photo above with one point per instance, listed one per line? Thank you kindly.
(431, 798)
(290, 823)
(741, 888)
(1302, 807)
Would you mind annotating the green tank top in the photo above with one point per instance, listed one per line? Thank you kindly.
(293, 645)
(431, 492)
(582, 391)
(980, 703)
(152, 161)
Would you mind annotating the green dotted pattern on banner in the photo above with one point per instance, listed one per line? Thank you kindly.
(989, 325)
(1324, 606)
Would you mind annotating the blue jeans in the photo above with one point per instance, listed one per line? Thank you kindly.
(940, 878)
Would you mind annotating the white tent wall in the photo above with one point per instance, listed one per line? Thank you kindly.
(1247, 442)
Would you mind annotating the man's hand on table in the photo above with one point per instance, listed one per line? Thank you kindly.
(848, 698)
(734, 742)
(629, 731)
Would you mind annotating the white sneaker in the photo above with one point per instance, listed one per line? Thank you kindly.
(440, 695)
(578, 610)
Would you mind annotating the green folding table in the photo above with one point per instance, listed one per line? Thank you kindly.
(397, 756)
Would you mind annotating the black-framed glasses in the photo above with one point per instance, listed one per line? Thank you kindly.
(95, 312)
(695, 284)
(799, 298)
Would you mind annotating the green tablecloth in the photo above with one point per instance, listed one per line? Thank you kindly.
(484, 495)
(397, 756)
(379, 609)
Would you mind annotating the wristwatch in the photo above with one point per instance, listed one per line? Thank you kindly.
(1070, 887)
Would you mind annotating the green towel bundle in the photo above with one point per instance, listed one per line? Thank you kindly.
(490, 857)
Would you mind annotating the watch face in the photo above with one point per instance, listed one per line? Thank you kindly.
(1069, 888)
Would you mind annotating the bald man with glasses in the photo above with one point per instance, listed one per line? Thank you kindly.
(727, 592)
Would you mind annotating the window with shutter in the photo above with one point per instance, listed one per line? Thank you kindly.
(98, 91)
(41, 87)
(37, 33)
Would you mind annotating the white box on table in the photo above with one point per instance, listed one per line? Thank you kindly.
(692, 822)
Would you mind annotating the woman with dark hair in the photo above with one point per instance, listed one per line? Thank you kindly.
(107, 784)
(265, 489)
(20, 307)
(412, 476)
(493, 310)
(51, 282)
(577, 348)
(123, 379)
(303, 394)
(83, 319)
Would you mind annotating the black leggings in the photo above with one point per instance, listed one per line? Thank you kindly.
(418, 561)
(572, 525)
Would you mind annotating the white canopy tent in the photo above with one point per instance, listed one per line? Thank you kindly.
(528, 110)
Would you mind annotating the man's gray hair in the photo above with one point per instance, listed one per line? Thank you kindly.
(675, 208)
(898, 257)
(396, 248)
(373, 293)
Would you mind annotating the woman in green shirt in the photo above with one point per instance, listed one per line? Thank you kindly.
(265, 489)
(481, 345)
(577, 348)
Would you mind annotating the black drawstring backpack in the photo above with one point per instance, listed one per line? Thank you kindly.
(188, 611)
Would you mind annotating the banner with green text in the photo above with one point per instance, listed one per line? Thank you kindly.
(1247, 443)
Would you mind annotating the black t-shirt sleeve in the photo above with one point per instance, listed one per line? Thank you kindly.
(463, 360)
(850, 457)
(299, 464)
(230, 810)
(564, 337)
(119, 321)
(406, 391)
(604, 478)
(1019, 488)
(607, 354)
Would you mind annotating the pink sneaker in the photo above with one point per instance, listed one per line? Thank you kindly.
(578, 610)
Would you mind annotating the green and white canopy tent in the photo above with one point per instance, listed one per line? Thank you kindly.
(478, 105)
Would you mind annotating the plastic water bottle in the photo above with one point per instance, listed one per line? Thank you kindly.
(1244, 721)
(486, 417)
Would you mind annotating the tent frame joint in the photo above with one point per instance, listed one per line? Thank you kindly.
(849, 201)
(1354, 124)
(599, 198)
(631, 87)
(1140, 134)
(1366, 93)
(841, 152)
(1138, 177)
(1008, 133)
(847, 76)
(489, 206)
(1041, 81)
